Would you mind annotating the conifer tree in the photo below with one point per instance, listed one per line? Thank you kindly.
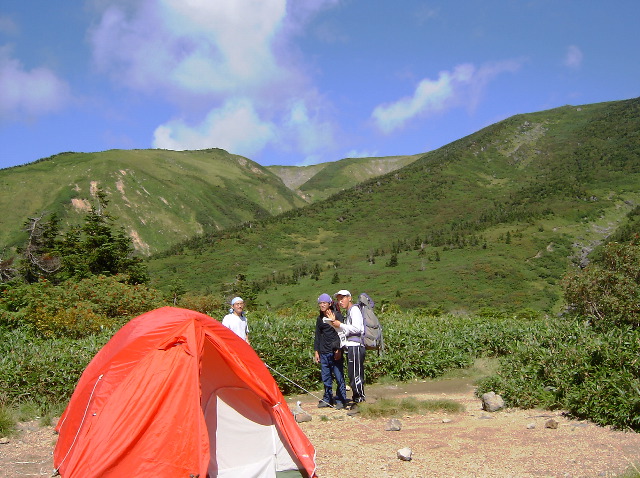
(95, 247)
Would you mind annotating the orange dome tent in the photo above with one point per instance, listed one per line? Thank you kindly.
(174, 393)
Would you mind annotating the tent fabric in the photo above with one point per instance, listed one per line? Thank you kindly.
(174, 393)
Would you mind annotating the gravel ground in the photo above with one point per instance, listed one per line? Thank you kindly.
(474, 443)
(29, 453)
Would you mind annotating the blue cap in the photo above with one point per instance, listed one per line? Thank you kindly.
(324, 298)
(236, 300)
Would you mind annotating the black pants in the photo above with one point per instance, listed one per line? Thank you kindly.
(355, 369)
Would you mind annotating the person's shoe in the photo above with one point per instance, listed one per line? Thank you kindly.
(339, 405)
(354, 410)
(323, 404)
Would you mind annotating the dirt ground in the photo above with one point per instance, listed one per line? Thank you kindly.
(30, 453)
(474, 443)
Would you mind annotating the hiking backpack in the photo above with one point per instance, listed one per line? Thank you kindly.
(372, 338)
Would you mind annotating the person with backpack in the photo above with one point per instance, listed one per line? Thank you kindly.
(353, 327)
(328, 353)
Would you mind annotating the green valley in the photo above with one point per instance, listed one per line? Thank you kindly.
(493, 219)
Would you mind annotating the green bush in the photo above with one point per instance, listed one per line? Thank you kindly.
(76, 309)
(416, 346)
(43, 371)
(608, 291)
(575, 367)
(7, 421)
(545, 362)
(206, 304)
(286, 346)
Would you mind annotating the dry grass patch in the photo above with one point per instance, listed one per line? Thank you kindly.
(391, 407)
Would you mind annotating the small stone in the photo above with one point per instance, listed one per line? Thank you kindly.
(303, 417)
(531, 426)
(446, 420)
(404, 454)
(4, 440)
(393, 425)
(551, 424)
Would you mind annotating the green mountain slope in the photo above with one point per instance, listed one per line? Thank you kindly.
(295, 176)
(494, 218)
(159, 196)
(162, 197)
(320, 181)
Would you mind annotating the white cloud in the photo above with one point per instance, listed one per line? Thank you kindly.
(361, 154)
(428, 94)
(194, 47)
(29, 93)
(464, 85)
(235, 127)
(232, 58)
(573, 57)
(307, 131)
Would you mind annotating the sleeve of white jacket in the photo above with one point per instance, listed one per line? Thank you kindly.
(356, 327)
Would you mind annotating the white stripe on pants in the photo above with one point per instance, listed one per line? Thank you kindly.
(355, 368)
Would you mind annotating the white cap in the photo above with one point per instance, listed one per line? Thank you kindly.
(342, 292)
(236, 300)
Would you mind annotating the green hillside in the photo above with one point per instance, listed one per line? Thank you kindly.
(295, 176)
(493, 219)
(159, 196)
(162, 197)
(320, 181)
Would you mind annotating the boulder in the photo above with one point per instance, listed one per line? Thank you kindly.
(492, 402)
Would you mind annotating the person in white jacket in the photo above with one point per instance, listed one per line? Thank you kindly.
(236, 320)
(353, 327)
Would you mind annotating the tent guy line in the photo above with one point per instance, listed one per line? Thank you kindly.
(56, 472)
(297, 385)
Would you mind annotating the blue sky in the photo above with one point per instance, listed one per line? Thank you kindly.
(302, 81)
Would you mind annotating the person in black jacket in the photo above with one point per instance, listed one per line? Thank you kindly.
(328, 352)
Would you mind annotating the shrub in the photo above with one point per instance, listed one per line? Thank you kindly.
(545, 362)
(7, 421)
(43, 371)
(415, 346)
(76, 309)
(289, 354)
(575, 367)
(206, 304)
(608, 291)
